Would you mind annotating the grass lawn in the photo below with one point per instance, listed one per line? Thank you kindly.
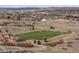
(40, 35)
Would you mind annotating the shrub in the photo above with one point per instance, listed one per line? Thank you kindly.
(55, 43)
(0, 31)
(77, 38)
(6, 30)
(69, 31)
(52, 27)
(24, 44)
(8, 44)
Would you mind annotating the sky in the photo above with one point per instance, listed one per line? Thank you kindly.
(17, 6)
(38, 3)
(25, 6)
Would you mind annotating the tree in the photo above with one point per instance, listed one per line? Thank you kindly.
(45, 40)
(39, 43)
(8, 17)
(34, 41)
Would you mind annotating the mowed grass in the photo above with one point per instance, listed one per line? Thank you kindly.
(40, 35)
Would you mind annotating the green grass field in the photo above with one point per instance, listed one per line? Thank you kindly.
(40, 35)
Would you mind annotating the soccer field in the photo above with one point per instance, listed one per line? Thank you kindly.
(40, 35)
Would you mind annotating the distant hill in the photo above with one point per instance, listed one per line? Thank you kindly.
(64, 8)
(28, 8)
(37, 8)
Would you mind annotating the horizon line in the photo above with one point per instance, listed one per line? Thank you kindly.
(24, 6)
